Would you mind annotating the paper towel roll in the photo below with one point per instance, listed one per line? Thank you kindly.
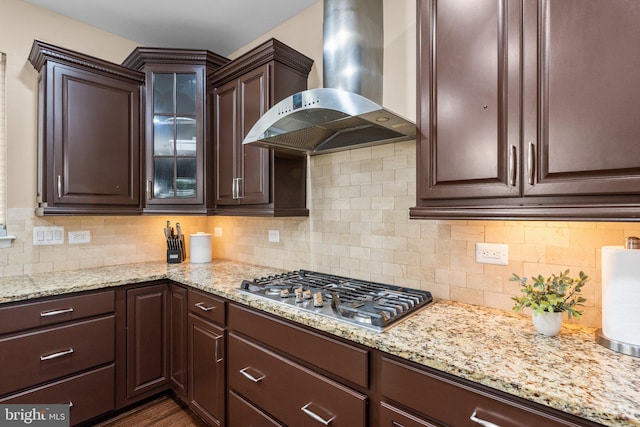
(621, 294)
(200, 247)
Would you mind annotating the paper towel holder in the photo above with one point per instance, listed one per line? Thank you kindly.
(632, 242)
(618, 346)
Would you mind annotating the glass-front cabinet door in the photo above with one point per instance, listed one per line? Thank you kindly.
(175, 146)
(175, 150)
(175, 136)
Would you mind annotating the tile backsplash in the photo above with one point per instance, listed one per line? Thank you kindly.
(358, 226)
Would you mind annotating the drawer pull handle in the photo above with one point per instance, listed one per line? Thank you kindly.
(56, 312)
(315, 416)
(203, 307)
(244, 372)
(218, 357)
(56, 355)
(70, 404)
(481, 422)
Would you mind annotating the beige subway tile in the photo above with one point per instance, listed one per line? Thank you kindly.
(574, 256)
(502, 234)
(421, 273)
(395, 189)
(498, 300)
(466, 295)
(451, 277)
(380, 203)
(438, 290)
(596, 237)
(546, 236)
(484, 282)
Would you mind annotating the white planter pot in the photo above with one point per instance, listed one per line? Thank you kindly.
(548, 323)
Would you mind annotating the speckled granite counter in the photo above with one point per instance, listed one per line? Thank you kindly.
(495, 348)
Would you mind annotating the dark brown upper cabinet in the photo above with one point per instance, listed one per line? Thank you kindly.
(89, 134)
(256, 181)
(177, 152)
(528, 110)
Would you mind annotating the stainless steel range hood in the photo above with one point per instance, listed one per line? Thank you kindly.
(346, 113)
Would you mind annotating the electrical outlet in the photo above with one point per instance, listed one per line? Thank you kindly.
(492, 253)
(274, 236)
(217, 231)
(79, 237)
(48, 235)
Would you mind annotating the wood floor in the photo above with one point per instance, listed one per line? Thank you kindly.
(163, 411)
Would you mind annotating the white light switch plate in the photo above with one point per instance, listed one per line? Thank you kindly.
(217, 231)
(274, 236)
(492, 253)
(48, 236)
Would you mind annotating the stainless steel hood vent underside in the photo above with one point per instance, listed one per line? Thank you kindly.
(325, 120)
(346, 112)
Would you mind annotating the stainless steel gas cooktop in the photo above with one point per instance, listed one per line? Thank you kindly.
(372, 305)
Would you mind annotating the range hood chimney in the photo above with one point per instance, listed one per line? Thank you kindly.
(346, 113)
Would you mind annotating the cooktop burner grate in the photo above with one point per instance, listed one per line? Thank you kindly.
(372, 305)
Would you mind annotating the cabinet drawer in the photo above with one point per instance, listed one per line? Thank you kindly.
(45, 355)
(291, 393)
(15, 318)
(453, 403)
(90, 394)
(242, 413)
(390, 416)
(346, 361)
(207, 306)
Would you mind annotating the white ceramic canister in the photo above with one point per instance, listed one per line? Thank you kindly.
(200, 247)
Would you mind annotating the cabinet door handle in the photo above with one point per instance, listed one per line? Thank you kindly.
(59, 186)
(315, 416)
(481, 422)
(149, 189)
(234, 188)
(203, 307)
(531, 162)
(244, 372)
(240, 190)
(396, 424)
(70, 404)
(217, 355)
(56, 312)
(513, 165)
(56, 355)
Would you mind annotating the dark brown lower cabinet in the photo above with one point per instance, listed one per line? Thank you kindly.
(88, 394)
(290, 392)
(178, 362)
(207, 368)
(147, 367)
(60, 350)
(243, 413)
(432, 398)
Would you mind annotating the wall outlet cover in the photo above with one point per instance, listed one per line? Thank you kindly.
(492, 253)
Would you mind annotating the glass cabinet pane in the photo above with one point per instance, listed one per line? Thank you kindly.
(186, 136)
(163, 177)
(186, 93)
(186, 180)
(163, 136)
(163, 90)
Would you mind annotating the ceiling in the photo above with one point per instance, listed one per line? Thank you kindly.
(221, 26)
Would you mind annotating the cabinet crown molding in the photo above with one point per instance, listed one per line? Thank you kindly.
(158, 55)
(41, 52)
(271, 50)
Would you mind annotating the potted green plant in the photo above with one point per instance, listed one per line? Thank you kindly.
(549, 298)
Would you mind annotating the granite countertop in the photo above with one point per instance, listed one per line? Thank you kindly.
(501, 350)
